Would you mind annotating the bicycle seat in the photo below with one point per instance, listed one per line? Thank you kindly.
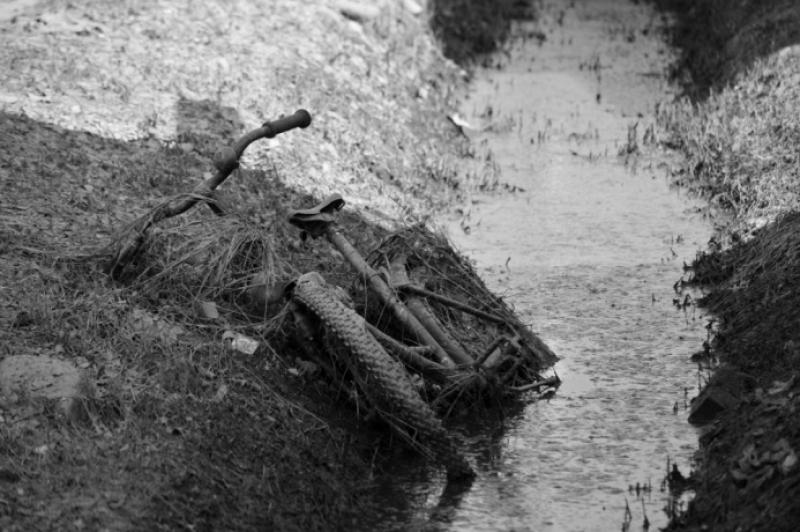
(315, 220)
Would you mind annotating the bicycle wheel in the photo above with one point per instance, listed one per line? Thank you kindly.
(381, 379)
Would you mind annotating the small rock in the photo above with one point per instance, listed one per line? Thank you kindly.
(42, 377)
(41, 450)
(239, 342)
(711, 401)
(358, 11)
(8, 98)
(222, 391)
(459, 122)
(412, 7)
(788, 463)
(383, 173)
(208, 310)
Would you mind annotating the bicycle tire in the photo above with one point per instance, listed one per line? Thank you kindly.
(381, 378)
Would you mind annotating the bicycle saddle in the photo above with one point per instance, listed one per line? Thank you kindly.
(317, 218)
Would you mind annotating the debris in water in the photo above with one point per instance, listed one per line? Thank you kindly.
(460, 123)
(646, 522)
(626, 520)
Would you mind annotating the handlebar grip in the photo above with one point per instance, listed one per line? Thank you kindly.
(301, 118)
(227, 160)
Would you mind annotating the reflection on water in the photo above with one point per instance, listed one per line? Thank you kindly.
(588, 254)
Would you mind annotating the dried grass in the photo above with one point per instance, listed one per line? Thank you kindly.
(214, 258)
(741, 142)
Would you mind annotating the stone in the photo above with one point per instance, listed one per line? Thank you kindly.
(358, 11)
(413, 7)
(709, 404)
(42, 377)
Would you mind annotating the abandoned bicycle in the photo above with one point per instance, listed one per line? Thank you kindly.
(395, 362)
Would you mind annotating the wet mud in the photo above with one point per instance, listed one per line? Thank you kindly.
(587, 249)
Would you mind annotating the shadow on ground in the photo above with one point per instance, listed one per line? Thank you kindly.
(179, 431)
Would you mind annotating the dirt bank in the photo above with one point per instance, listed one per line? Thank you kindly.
(106, 109)
(719, 39)
(741, 145)
(468, 29)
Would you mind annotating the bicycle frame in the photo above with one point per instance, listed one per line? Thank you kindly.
(414, 314)
(319, 221)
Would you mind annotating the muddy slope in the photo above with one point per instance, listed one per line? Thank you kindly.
(741, 149)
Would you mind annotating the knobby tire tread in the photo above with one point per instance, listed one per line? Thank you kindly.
(382, 379)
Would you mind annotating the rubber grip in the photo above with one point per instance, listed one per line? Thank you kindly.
(227, 160)
(301, 118)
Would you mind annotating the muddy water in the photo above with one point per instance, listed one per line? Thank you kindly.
(588, 253)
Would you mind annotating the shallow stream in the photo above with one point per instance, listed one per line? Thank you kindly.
(588, 253)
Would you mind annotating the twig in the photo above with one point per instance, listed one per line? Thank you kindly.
(489, 350)
(646, 522)
(549, 381)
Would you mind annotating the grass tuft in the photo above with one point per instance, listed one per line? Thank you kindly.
(741, 142)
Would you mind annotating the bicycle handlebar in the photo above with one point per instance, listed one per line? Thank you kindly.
(227, 160)
(301, 118)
